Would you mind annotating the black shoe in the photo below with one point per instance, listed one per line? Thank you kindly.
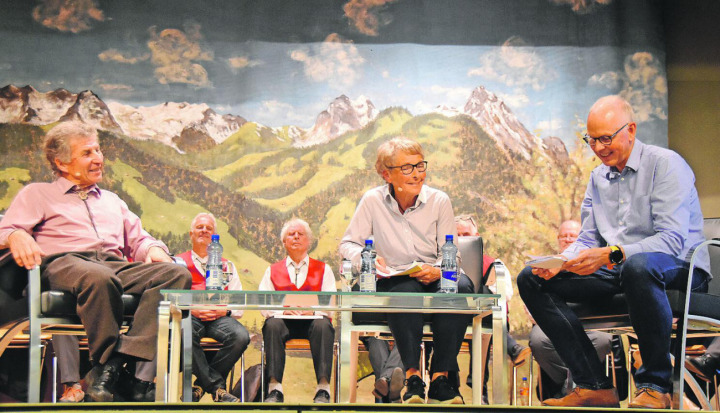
(102, 380)
(197, 393)
(519, 354)
(275, 396)
(704, 366)
(414, 390)
(441, 391)
(322, 396)
(221, 395)
(131, 389)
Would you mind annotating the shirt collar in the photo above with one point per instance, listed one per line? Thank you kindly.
(304, 261)
(195, 256)
(66, 186)
(421, 199)
(632, 163)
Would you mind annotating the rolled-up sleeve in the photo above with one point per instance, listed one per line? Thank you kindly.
(137, 240)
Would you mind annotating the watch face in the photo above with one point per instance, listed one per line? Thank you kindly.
(616, 256)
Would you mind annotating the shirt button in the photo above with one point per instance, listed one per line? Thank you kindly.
(621, 223)
(622, 179)
(621, 201)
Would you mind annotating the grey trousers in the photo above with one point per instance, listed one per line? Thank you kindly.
(549, 360)
(382, 359)
(98, 280)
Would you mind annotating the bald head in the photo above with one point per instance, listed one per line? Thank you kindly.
(568, 233)
(611, 117)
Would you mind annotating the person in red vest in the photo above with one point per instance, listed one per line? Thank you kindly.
(220, 325)
(298, 272)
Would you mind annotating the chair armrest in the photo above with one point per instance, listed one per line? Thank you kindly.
(5, 256)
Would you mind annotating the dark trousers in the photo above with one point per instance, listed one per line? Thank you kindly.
(448, 329)
(98, 280)
(234, 339)
(320, 332)
(643, 278)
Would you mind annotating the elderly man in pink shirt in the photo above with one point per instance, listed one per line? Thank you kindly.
(82, 236)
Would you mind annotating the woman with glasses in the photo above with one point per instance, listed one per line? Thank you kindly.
(408, 222)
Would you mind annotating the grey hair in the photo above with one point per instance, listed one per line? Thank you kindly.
(386, 152)
(305, 225)
(57, 141)
(625, 106)
(203, 214)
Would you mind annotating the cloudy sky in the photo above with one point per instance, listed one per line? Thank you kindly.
(282, 62)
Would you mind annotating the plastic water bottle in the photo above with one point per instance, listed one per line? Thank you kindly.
(367, 268)
(524, 393)
(449, 268)
(213, 269)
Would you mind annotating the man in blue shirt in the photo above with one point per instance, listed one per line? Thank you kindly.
(641, 223)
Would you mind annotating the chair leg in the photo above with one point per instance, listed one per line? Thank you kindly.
(513, 386)
(242, 377)
(336, 382)
(55, 378)
(262, 371)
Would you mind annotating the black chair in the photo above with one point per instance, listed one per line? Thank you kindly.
(25, 308)
(701, 310)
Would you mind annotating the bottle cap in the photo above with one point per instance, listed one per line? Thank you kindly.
(368, 242)
(448, 237)
(215, 237)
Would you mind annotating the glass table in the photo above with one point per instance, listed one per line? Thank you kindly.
(174, 324)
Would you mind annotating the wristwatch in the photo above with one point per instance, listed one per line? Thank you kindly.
(616, 255)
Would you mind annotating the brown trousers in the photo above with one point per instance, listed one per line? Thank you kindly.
(98, 280)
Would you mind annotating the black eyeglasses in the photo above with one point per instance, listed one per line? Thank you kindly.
(407, 169)
(605, 140)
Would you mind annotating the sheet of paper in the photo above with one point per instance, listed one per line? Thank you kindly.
(298, 317)
(415, 267)
(547, 261)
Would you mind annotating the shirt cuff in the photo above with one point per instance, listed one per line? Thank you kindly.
(631, 250)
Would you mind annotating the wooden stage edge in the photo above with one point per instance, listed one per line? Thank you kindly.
(299, 408)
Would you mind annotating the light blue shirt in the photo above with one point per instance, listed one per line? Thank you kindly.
(651, 206)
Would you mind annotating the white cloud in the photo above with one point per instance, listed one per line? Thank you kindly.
(176, 53)
(451, 94)
(582, 6)
(514, 64)
(366, 15)
(516, 100)
(642, 83)
(549, 126)
(608, 80)
(73, 16)
(240, 62)
(275, 109)
(335, 61)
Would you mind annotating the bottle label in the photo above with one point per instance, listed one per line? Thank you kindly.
(450, 276)
(367, 282)
(213, 279)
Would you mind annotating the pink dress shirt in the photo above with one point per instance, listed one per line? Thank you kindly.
(60, 221)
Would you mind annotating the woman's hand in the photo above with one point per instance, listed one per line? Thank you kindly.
(428, 274)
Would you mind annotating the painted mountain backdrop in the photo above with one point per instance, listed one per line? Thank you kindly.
(173, 160)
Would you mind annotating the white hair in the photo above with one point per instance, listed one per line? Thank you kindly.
(200, 215)
(294, 221)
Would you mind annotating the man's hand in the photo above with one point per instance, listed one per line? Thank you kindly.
(428, 274)
(208, 315)
(545, 273)
(380, 265)
(588, 261)
(298, 312)
(25, 250)
(157, 254)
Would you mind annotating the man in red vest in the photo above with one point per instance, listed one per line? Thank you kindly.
(220, 325)
(298, 272)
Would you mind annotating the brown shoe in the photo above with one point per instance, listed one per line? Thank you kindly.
(650, 399)
(72, 394)
(586, 398)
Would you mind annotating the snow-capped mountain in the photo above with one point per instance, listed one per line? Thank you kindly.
(500, 123)
(27, 105)
(172, 120)
(341, 116)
